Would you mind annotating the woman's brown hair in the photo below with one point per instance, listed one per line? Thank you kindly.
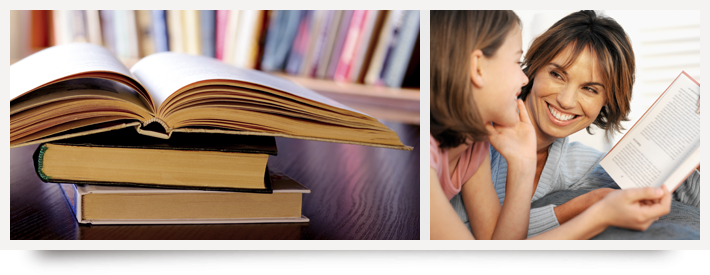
(454, 36)
(612, 48)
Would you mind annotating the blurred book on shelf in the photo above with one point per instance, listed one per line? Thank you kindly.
(363, 47)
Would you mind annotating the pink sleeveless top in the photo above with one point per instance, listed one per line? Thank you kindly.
(468, 164)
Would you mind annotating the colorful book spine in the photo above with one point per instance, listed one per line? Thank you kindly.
(280, 38)
(363, 50)
(300, 44)
(320, 18)
(346, 58)
(339, 43)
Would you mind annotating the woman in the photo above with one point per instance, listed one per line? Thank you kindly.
(581, 72)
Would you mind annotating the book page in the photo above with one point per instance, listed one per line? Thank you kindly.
(58, 62)
(167, 72)
(666, 136)
(76, 88)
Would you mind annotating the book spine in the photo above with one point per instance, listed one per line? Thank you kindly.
(362, 45)
(316, 51)
(246, 34)
(220, 33)
(339, 44)
(230, 39)
(402, 51)
(312, 49)
(324, 59)
(107, 28)
(346, 57)
(39, 28)
(145, 33)
(174, 21)
(93, 27)
(207, 32)
(78, 26)
(383, 44)
(300, 44)
(191, 31)
(160, 30)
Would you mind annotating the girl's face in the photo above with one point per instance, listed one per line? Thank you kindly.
(564, 101)
(502, 80)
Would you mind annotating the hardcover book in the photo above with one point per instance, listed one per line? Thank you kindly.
(186, 161)
(96, 204)
(78, 89)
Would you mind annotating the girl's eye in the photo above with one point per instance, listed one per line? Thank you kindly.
(555, 75)
(590, 89)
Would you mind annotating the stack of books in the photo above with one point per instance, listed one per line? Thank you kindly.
(121, 177)
(176, 139)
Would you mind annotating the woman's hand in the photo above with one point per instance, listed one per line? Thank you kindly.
(632, 208)
(515, 143)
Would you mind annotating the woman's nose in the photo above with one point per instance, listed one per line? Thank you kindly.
(567, 97)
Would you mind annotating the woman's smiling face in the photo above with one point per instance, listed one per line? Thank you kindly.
(563, 101)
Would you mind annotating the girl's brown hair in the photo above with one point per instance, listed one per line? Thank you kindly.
(454, 36)
(608, 42)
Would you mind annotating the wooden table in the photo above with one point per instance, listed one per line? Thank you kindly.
(357, 192)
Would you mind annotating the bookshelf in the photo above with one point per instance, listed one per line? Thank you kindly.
(384, 101)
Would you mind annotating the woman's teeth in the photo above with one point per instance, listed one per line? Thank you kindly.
(558, 115)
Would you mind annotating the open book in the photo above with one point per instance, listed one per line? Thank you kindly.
(78, 89)
(663, 147)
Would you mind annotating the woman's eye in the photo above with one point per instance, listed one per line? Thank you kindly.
(555, 75)
(590, 89)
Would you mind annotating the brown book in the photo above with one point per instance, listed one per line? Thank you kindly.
(75, 89)
(186, 161)
(95, 204)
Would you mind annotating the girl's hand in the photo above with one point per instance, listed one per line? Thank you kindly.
(633, 209)
(515, 143)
